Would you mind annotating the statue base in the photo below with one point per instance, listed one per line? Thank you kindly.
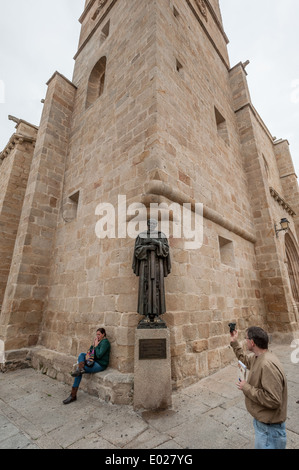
(156, 324)
(152, 361)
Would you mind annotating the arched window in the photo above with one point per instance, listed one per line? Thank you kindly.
(96, 82)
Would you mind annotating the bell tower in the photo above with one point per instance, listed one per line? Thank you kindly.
(154, 114)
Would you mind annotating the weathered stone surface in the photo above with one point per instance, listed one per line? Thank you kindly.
(109, 385)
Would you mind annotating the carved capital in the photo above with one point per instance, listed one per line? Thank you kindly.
(101, 5)
(201, 5)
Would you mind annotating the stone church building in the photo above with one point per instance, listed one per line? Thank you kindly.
(154, 112)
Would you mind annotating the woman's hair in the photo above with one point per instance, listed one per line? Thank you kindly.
(259, 336)
(102, 330)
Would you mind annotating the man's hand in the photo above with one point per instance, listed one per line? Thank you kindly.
(234, 336)
(241, 384)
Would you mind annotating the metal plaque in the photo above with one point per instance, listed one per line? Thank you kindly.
(152, 349)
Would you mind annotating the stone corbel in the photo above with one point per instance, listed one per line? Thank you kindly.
(282, 202)
(201, 5)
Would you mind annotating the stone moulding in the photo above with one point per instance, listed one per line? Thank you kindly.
(282, 202)
(100, 21)
(257, 117)
(197, 16)
(86, 10)
(159, 188)
(14, 140)
(202, 8)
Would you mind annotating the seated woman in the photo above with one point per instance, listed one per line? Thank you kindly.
(101, 348)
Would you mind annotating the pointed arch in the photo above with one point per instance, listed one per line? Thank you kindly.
(96, 82)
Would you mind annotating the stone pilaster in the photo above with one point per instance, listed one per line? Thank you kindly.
(27, 285)
(289, 179)
(15, 165)
(253, 134)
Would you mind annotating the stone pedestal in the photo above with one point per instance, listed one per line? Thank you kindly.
(152, 372)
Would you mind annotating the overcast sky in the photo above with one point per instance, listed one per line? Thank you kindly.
(38, 37)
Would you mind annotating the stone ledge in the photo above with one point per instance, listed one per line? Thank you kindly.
(282, 202)
(111, 386)
(17, 359)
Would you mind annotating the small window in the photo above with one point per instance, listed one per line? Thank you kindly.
(266, 165)
(105, 31)
(75, 197)
(94, 16)
(96, 82)
(179, 67)
(175, 12)
(227, 255)
(71, 207)
(221, 126)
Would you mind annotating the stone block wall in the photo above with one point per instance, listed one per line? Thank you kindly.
(109, 154)
(28, 280)
(14, 171)
(154, 113)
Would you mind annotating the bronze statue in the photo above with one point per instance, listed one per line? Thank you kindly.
(151, 263)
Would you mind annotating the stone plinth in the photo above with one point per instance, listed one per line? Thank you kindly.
(152, 373)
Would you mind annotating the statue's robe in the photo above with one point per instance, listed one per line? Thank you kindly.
(151, 263)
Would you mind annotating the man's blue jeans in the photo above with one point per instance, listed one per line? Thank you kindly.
(88, 370)
(270, 436)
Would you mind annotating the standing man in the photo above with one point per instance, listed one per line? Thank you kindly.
(265, 389)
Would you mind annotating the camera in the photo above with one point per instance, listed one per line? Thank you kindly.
(232, 327)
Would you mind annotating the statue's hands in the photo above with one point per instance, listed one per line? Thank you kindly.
(151, 248)
(151, 241)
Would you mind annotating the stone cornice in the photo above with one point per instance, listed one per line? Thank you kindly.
(100, 21)
(22, 121)
(207, 32)
(288, 175)
(282, 202)
(159, 188)
(215, 18)
(86, 10)
(15, 140)
(62, 76)
(258, 119)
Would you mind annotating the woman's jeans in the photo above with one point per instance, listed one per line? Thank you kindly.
(88, 370)
(270, 436)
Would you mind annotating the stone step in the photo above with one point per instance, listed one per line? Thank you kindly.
(111, 385)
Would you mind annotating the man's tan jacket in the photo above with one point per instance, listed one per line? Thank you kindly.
(266, 388)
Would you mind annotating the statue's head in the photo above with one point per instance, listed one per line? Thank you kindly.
(152, 224)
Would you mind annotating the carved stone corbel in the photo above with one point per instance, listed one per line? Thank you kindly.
(201, 5)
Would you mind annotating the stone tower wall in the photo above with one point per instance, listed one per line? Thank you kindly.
(154, 113)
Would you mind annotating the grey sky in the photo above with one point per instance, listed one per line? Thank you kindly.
(266, 33)
(38, 37)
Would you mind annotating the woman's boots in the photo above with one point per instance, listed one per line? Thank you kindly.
(79, 371)
(72, 397)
